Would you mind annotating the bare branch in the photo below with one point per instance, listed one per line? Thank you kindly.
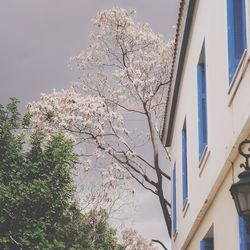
(125, 108)
(157, 241)
(15, 242)
(142, 183)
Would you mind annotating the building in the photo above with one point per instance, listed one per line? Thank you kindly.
(207, 116)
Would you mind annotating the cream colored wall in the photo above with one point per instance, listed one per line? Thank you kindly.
(222, 215)
(228, 113)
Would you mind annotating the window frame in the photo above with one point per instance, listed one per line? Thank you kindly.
(207, 243)
(174, 208)
(202, 101)
(234, 56)
(184, 165)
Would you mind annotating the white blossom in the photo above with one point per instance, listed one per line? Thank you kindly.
(125, 72)
(134, 241)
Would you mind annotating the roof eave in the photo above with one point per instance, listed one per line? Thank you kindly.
(167, 132)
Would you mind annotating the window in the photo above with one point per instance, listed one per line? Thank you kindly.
(184, 165)
(236, 21)
(207, 244)
(244, 231)
(208, 241)
(174, 217)
(202, 101)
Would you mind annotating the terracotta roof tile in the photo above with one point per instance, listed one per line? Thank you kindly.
(176, 42)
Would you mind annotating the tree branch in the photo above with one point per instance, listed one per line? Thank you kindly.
(123, 107)
(15, 242)
(157, 241)
(141, 183)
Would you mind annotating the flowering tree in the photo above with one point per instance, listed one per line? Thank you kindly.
(134, 241)
(124, 75)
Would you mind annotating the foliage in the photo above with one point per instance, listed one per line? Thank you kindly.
(125, 75)
(38, 210)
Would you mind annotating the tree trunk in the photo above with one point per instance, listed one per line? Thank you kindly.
(165, 211)
(162, 199)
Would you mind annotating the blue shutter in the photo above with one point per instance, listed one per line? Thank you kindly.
(184, 165)
(207, 244)
(202, 245)
(238, 29)
(200, 122)
(230, 27)
(244, 234)
(242, 231)
(202, 107)
(236, 19)
(244, 27)
(174, 202)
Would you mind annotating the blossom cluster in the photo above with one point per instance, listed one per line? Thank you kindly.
(133, 240)
(68, 112)
(138, 59)
(125, 70)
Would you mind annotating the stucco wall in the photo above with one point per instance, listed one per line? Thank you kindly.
(222, 216)
(228, 123)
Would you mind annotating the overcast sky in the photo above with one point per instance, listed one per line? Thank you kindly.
(37, 38)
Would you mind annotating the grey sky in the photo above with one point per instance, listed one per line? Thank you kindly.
(37, 37)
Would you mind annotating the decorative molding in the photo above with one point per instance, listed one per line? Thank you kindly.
(203, 160)
(185, 208)
(238, 76)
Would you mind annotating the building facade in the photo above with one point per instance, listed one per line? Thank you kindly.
(207, 116)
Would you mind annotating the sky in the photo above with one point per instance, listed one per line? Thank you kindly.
(37, 38)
